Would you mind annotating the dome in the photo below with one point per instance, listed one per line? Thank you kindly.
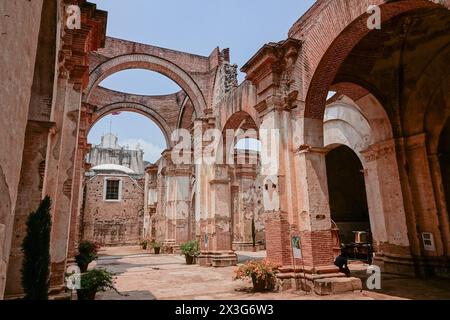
(112, 167)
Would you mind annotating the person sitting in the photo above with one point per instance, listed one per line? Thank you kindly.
(341, 262)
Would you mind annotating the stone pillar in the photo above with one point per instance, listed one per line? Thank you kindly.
(422, 189)
(168, 201)
(77, 197)
(178, 202)
(386, 209)
(428, 261)
(29, 197)
(243, 206)
(216, 222)
(315, 218)
(150, 202)
(160, 216)
(295, 187)
(15, 84)
(63, 193)
(442, 205)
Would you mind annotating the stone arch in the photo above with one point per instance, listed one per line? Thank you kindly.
(240, 120)
(137, 108)
(152, 63)
(348, 205)
(325, 51)
(186, 114)
(364, 127)
(360, 99)
(427, 87)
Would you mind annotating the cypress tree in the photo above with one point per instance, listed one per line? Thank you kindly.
(36, 249)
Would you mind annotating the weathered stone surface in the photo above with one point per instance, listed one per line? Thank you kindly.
(329, 286)
(400, 133)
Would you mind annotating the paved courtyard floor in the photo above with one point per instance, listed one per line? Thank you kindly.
(141, 275)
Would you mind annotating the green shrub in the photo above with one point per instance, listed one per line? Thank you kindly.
(156, 245)
(87, 252)
(36, 249)
(97, 280)
(190, 248)
(144, 244)
(94, 281)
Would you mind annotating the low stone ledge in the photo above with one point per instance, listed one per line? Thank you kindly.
(329, 286)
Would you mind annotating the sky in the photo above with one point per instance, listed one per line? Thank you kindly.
(194, 26)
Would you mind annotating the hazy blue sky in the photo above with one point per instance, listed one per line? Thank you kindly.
(194, 26)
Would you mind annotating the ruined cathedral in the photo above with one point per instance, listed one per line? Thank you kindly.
(353, 121)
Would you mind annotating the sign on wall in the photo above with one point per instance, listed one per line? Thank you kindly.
(296, 249)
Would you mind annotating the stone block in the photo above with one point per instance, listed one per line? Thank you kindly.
(328, 286)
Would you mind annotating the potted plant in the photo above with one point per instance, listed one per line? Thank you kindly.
(190, 250)
(144, 244)
(261, 272)
(87, 252)
(156, 247)
(94, 281)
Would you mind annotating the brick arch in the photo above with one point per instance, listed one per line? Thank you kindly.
(427, 86)
(238, 120)
(137, 108)
(370, 107)
(436, 115)
(186, 113)
(339, 26)
(152, 63)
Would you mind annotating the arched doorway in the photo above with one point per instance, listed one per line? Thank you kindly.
(347, 198)
(120, 191)
(444, 161)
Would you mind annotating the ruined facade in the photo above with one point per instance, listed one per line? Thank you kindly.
(110, 152)
(391, 111)
(113, 194)
(113, 209)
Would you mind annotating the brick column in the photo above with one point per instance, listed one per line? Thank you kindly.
(178, 202)
(243, 206)
(62, 196)
(15, 93)
(77, 196)
(422, 190)
(29, 197)
(150, 201)
(216, 222)
(386, 209)
(315, 218)
(423, 201)
(442, 205)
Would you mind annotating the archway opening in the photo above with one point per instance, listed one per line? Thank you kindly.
(347, 198)
(132, 130)
(124, 145)
(140, 82)
(444, 159)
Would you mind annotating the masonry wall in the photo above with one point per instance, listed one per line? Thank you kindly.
(19, 29)
(113, 223)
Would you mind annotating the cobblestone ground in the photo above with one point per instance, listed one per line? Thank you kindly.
(144, 276)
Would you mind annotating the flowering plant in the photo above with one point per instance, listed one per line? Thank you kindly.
(261, 272)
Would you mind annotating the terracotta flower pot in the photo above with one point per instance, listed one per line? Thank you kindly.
(189, 259)
(258, 285)
(157, 250)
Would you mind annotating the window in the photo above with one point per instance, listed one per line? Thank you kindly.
(112, 189)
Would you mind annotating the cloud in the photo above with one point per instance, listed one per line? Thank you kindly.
(152, 152)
